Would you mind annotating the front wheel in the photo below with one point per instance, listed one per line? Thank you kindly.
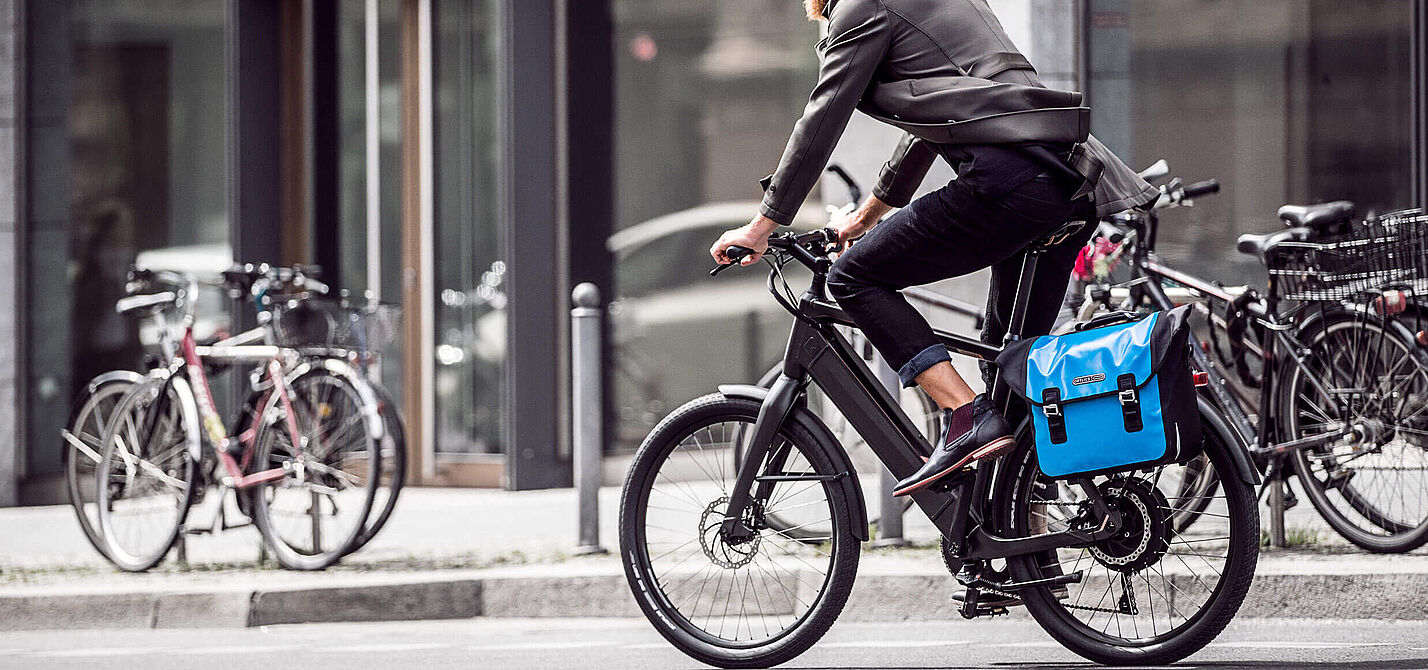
(1161, 588)
(735, 604)
(147, 474)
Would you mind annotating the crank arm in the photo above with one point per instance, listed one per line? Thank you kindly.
(1072, 578)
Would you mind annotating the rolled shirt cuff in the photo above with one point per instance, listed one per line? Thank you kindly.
(924, 359)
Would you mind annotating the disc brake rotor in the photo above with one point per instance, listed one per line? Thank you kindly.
(719, 550)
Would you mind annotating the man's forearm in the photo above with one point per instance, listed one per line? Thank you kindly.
(873, 210)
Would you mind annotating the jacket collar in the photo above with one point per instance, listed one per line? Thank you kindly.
(828, 8)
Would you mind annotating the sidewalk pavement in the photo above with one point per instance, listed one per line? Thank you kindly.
(453, 553)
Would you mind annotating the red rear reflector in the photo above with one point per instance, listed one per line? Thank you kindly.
(1202, 379)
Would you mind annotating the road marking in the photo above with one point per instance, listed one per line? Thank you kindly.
(890, 644)
(1044, 644)
(535, 646)
(101, 651)
(1277, 644)
(381, 648)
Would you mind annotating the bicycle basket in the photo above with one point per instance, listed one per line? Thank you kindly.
(1386, 252)
(332, 323)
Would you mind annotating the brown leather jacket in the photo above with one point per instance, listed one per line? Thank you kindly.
(946, 71)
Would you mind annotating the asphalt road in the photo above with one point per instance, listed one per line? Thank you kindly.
(622, 643)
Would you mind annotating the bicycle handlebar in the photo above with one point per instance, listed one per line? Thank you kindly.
(1201, 188)
(807, 248)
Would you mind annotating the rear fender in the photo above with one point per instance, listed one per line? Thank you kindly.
(1213, 426)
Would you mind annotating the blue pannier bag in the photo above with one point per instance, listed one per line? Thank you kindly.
(1109, 398)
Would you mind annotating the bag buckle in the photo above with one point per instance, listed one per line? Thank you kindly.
(1051, 407)
(1130, 403)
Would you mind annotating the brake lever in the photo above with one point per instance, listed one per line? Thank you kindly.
(733, 250)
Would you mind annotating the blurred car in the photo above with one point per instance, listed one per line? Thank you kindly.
(676, 332)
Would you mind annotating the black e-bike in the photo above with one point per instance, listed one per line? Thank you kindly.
(741, 516)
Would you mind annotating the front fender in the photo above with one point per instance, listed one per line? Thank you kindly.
(852, 488)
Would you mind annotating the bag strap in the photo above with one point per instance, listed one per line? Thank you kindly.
(1055, 420)
(1130, 402)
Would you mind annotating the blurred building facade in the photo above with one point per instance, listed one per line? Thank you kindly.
(474, 159)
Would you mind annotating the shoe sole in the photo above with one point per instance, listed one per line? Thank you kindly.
(993, 448)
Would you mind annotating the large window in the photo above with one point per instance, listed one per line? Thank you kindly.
(128, 155)
(706, 94)
(369, 95)
(470, 271)
(1281, 100)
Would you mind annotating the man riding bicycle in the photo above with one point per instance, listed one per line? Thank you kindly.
(946, 73)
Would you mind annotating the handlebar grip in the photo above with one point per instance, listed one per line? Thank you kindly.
(1202, 188)
(735, 253)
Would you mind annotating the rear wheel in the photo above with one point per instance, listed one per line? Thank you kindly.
(394, 466)
(83, 439)
(736, 604)
(1372, 486)
(313, 515)
(1150, 594)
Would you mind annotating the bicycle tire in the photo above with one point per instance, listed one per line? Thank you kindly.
(1380, 531)
(87, 418)
(1197, 630)
(394, 466)
(274, 448)
(175, 461)
(656, 599)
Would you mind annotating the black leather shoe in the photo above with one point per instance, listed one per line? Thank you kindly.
(989, 436)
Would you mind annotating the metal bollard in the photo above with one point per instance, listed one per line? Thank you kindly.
(889, 508)
(585, 407)
(1277, 537)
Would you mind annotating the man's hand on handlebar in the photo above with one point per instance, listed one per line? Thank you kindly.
(855, 224)
(753, 235)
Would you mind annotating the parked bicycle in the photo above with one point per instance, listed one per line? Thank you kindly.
(312, 416)
(1095, 561)
(1342, 384)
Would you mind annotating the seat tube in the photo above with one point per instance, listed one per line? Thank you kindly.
(1016, 322)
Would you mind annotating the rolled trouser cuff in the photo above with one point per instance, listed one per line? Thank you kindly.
(924, 359)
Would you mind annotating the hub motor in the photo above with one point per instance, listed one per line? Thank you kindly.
(1145, 525)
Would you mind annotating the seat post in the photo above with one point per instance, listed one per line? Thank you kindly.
(1001, 397)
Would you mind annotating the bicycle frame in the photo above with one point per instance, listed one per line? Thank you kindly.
(212, 423)
(1276, 346)
(818, 353)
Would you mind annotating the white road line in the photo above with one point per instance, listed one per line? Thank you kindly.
(889, 644)
(1280, 644)
(100, 652)
(379, 648)
(537, 646)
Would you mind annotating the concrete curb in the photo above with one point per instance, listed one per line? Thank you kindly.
(876, 597)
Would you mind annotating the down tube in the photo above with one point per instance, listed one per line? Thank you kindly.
(873, 412)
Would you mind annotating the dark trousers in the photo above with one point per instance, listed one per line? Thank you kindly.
(949, 233)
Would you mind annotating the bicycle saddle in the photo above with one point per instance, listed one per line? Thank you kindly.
(1317, 216)
(1259, 245)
